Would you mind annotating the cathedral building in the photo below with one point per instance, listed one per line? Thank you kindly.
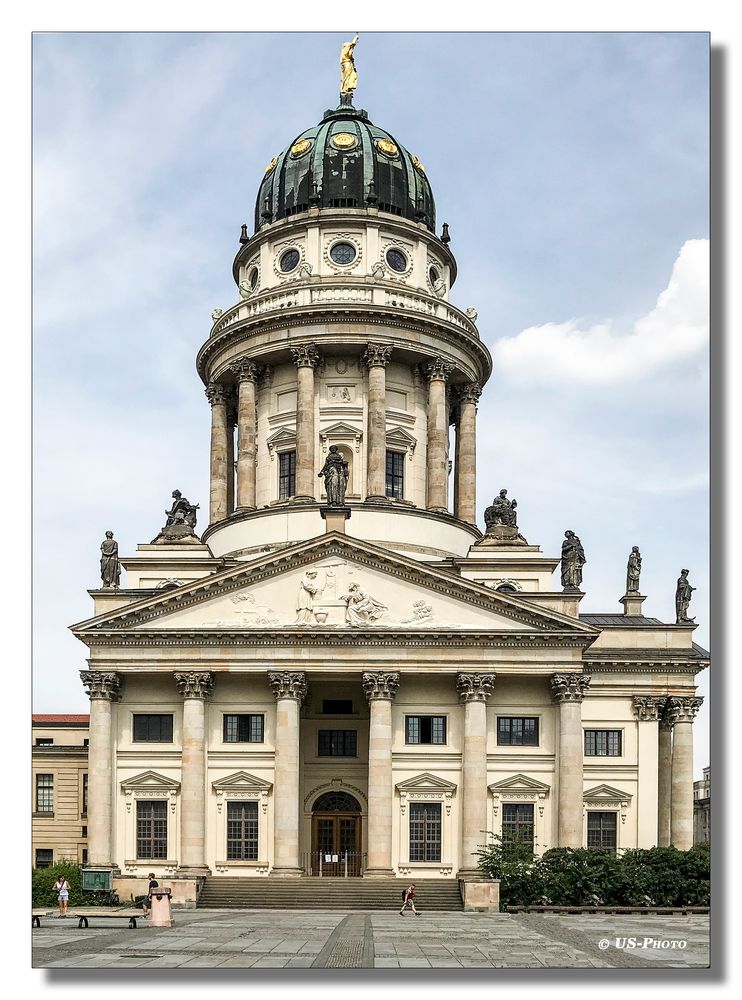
(339, 673)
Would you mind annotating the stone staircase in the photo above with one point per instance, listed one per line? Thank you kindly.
(276, 893)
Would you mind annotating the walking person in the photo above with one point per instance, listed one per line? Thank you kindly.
(62, 889)
(153, 884)
(409, 900)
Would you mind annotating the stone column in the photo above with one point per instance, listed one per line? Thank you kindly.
(289, 688)
(380, 689)
(647, 710)
(682, 711)
(568, 690)
(664, 779)
(246, 373)
(306, 359)
(466, 454)
(103, 689)
(217, 395)
(194, 687)
(474, 690)
(438, 372)
(231, 422)
(376, 358)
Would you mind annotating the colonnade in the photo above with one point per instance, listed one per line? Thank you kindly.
(234, 405)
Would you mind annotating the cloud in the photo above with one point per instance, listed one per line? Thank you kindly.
(672, 335)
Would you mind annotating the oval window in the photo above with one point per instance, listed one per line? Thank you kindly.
(396, 260)
(343, 253)
(433, 275)
(289, 260)
(254, 278)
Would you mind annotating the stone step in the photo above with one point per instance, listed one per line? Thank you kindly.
(324, 893)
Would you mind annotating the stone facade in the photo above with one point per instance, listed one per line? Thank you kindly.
(59, 824)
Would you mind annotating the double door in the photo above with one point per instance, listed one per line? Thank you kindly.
(336, 844)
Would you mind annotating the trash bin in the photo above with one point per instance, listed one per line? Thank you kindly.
(160, 913)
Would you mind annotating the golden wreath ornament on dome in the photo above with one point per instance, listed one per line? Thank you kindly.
(417, 164)
(387, 147)
(301, 147)
(271, 166)
(343, 140)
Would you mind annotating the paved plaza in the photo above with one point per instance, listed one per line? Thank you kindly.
(316, 939)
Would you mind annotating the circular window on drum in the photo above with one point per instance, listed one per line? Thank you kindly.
(433, 275)
(396, 260)
(253, 278)
(343, 253)
(289, 261)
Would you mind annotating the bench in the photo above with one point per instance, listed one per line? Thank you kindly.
(107, 913)
(36, 916)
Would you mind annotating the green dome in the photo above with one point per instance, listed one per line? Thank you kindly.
(345, 162)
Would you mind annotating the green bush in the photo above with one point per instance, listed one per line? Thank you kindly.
(42, 884)
(565, 876)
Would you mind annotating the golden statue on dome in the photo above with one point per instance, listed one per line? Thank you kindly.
(348, 74)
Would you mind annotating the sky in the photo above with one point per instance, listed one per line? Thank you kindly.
(572, 169)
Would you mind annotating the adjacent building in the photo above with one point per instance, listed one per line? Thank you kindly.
(59, 824)
(702, 808)
(342, 673)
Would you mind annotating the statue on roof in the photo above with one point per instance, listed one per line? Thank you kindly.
(180, 522)
(633, 570)
(683, 594)
(501, 511)
(110, 567)
(348, 74)
(573, 559)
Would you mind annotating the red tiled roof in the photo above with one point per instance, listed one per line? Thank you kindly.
(84, 719)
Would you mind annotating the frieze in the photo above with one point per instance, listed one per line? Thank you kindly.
(569, 687)
(682, 709)
(101, 684)
(288, 684)
(380, 685)
(194, 684)
(474, 687)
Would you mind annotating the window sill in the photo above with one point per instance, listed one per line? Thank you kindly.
(42, 815)
(241, 864)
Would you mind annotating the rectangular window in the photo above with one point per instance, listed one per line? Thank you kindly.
(395, 474)
(44, 793)
(425, 831)
(517, 827)
(243, 728)
(520, 731)
(337, 706)
(44, 857)
(153, 729)
(337, 743)
(85, 794)
(152, 829)
(84, 855)
(44, 741)
(602, 742)
(286, 475)
(425, 729)
(601, 830)
(84, 831)
(242, 831)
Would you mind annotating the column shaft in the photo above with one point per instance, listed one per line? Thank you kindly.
(681, 805)
(100, 782)
(230, 466)
(376, 357)
(664, 784)
(194, 687)
(289, 689)
(466, 458)
(380, 689)
(218, 471)
(438, 436)
(568, 690)
(305, 359)
(474, 783)
(246, 441)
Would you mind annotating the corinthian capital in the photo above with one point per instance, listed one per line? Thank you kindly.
(288, 684)
(648, 708)
(305, 356)
(438, 368)
(682, 709)
(380, 686)
(194, 683)
(474, 687)
(101, 684)
(216, 392)
(469, 393)
(244, 370)
(569, 687)
(377, 355)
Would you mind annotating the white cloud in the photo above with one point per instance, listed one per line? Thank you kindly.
(674, 334)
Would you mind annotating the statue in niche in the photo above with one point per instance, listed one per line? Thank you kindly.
(361, 608)
(180, 522)
(110, 567)
(573, 559)
(633, 570)
(683, 594)
(501, 512)
(335, 473)
(309, 588)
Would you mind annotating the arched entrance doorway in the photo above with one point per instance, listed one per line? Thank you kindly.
(336, 835)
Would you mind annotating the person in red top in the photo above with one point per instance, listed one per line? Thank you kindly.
(409, 900)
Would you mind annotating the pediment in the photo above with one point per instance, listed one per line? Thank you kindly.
(283, 436)
(400, 438)
(340, 429)
(425, 782)
(605, 792)
(150, 781)
(241, 781)
(336, 583)
(519, 783)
